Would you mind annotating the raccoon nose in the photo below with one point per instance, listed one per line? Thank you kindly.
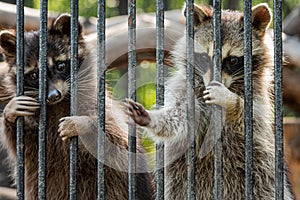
(54, 95)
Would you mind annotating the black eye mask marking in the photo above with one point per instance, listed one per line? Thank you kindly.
(31, 79)
(233, 64)
(60, 66)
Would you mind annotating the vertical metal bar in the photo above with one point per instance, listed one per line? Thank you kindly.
(190, 86)
(73, 106)
(160, 89)
(20, 91)
(248, 109)
(279, 162)
(42, 100)
(217, 110)
(101, 98)
(132, 95)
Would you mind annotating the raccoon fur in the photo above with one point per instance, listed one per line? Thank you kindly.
(59, 124)
(168, 123)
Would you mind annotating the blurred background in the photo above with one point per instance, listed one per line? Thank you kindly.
(116, 59)
(88, 8)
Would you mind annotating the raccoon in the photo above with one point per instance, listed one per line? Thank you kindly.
(168, 123)
(60, 126)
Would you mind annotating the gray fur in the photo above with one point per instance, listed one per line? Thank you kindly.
(57, 172)
(168, 124)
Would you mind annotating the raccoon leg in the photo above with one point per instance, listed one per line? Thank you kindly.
(20, 106)
(16, 107)
(75, 125)
(217, 93)
(163, 124)
(137, 112)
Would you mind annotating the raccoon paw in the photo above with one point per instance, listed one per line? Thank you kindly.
(217, 93)
(73, 126)
(137, 112)
(20, 106)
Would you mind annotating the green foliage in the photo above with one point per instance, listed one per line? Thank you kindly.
(89, 7)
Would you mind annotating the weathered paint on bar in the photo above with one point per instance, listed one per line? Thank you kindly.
(101, 98)
(248, 108)
(190, 86)
(217, 110)
(20, 91)
(42, 100)
(73, 106)
(132, 95)
(279, 161)
(160, 89)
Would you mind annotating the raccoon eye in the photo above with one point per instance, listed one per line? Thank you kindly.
(233, 61)
(60, 67)
(34, 76)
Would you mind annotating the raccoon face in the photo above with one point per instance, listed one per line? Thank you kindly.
(232, 41)
(58, 59)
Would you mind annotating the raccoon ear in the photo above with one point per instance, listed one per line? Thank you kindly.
(261, 16)
(201, 13)
(8, 44)
(62, 24)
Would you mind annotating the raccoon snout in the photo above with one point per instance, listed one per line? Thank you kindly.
(53, 96)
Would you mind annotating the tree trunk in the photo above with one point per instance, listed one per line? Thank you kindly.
(291, 89)
(123, 6)
(232, 5)
(291, 25)
(166, 4)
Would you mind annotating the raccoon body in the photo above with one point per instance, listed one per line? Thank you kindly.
(59, 125)
(168, 124)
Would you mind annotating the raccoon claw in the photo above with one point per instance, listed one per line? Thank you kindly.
(137, 113)
(216, 93)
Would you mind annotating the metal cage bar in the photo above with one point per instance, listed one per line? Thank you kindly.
(160, 88)
(42, 100)
(101, 98)
(248, 104)
(190, 86)
(217, 110)
(20, 91)
(279, 161)
(132, 95)
(73, 106)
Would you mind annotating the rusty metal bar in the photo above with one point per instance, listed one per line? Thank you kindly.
(101, 98)
(42, 100)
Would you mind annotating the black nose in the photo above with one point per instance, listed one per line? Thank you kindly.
(54, 95)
